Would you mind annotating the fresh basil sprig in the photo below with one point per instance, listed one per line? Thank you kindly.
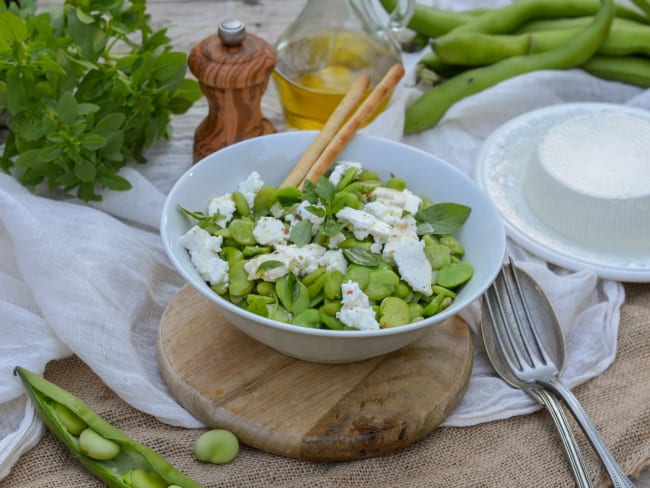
(442, 218)
(84, 89)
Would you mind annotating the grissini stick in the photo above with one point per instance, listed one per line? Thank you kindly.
(334, 122)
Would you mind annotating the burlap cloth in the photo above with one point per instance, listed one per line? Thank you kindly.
(522, 451)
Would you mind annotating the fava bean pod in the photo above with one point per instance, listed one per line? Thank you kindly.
(105, 451)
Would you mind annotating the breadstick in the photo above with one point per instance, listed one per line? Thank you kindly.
(342, 111)
(341, 138)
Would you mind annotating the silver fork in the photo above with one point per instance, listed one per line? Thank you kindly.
(527, 357)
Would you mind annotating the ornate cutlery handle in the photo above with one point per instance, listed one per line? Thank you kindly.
(552, 404)
(616, 474)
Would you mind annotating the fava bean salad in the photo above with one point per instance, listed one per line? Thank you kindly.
(349, 252)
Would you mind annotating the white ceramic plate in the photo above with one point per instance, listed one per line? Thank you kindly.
(500, 171)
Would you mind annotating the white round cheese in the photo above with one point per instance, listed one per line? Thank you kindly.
(590, 181)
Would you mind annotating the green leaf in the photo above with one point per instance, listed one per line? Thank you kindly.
(301, 233)
(93, 142)
(270, 264)
(27, 159)
(361, 256)
(67, 108)
(169, 65)
(115, 182)
(325, 190)
(85, 170)
(109, 124)
(49, 153)
(442, 218)
(12, 28)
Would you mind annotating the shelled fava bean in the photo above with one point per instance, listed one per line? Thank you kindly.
(105, 451)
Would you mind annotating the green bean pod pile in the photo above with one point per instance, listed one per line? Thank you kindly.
(258, 282)
(105, 451)
(471, 51)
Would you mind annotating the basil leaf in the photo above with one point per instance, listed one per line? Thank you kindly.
(300, 233)
(360, 256)
(270, 264)
(325, 190)
(317, 211)
(331, 227)
(443, 218)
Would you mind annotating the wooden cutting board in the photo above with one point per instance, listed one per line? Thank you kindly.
(325, 412)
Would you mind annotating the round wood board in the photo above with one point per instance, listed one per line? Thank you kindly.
(298, 409)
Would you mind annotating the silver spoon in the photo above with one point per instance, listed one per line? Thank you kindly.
(542, 396)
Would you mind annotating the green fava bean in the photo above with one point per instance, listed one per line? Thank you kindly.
(393, 311)
(239, 285)
(132, 455)
(369, 175)
(241, 204)
(70, 421)
(141, 478)
(316, 287)
(242, 232)
(359, 275)
(402, 291)
(332, 285)
(395, 183)
(217, 446)
(286, 196)
(313, 276)
(346, 199)
(331, 322)
(252, 251)
(96, 446)
(381, 283)
(265, 288)
(437, 255)
(309, 318)
(263, 200)
(454, 245)
(348, 176)
(454, 274)
(330, 307)
(415, 311)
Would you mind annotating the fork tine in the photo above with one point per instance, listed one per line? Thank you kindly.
(499, 319)
(527, 317)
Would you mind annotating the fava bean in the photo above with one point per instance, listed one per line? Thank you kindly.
(381, 283)
(316, 287)
(396, 183)
(97, 447)
(286, 196)
(242, 232)
(349, 175)
(265, 288)
(393, 311)
(309, 318)
(437, 255)
(332, 285)
(415, 311)
(70, 421)
(262, 202)
(402, 290)
(293, 294)
(241, 204)
(346, 199)
(454, 274)
(331, 322)
(217, 446)
(141, 478)
(358, 274)
(454, 245)
(330, 307)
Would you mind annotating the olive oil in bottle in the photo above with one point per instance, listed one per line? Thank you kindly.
(314, 72)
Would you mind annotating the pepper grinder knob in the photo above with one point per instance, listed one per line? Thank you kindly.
(233, 69)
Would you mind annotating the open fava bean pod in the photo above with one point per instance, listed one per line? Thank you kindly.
(105, 451)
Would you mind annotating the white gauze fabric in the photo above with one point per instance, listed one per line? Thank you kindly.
(93, 280)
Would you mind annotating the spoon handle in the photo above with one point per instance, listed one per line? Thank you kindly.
(616, 474)
(573, 452)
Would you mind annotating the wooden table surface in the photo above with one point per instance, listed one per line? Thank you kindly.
(189, 21)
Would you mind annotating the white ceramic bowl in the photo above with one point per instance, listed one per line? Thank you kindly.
(273, 157)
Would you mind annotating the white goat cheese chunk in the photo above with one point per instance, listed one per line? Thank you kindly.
(403, 199)
(301, 213)
(270, 231)
(203, 249)
(250, 186)
(356, 310)
(339, 170)
(223, 205)
(363, 223)
(334, 260)
(413, 265)
(297, 260)
(404, 229)
(336, 240)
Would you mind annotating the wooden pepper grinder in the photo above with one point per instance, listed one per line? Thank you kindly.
(233, 69)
